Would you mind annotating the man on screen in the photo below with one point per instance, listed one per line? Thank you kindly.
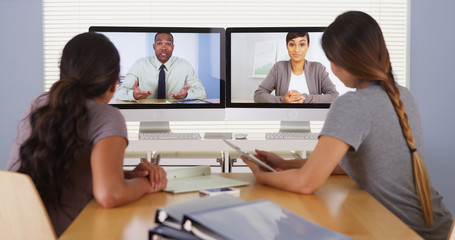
(161, 76)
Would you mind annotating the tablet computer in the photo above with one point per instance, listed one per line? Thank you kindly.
(250, 156)
(218, 191)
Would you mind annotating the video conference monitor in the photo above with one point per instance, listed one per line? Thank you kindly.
(259, 76)
(194, 61)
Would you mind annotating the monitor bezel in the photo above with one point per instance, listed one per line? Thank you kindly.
(229, 103)
(221, 31)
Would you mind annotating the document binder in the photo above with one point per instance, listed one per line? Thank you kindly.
(259, 219)
(172, 215)
(162, 232)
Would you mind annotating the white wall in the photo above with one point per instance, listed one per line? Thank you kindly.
(433, 84)
(21, 65)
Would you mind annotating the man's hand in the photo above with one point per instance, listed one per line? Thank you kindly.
(138, 94)
(182, 94)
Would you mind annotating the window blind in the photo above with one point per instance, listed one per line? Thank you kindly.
(62, 20)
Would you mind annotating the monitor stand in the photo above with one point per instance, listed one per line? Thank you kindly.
(295, 126)
(154, 127)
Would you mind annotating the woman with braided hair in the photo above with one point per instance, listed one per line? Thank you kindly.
(373, 134)
(72, 143)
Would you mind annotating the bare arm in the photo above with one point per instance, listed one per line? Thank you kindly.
(280, 164)
(110, 187)
(314, 171)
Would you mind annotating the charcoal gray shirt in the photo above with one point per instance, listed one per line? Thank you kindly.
(379, 159)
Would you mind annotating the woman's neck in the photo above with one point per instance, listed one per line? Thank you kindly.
(103, 99)
(297, 67)
(361, 84)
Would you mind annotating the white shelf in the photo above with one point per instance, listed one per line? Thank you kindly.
(214, 148)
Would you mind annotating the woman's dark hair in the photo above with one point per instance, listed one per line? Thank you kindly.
(354, 42)
(292, 35)
(88, 68)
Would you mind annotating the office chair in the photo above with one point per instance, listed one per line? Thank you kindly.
(22, 212)
(451, 235)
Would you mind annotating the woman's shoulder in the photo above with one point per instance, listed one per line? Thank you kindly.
(347, 99)
(365, 97)
(103, 112)
(356, 98)
(407, 96)
(281, 65)
(104, 121)
(38, 101)
(314, 65)
(404, 90)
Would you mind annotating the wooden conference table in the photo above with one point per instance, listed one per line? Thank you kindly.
(339, 205)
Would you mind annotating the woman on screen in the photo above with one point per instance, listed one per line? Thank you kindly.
(297, 80)
(72, 143)
(373, 134)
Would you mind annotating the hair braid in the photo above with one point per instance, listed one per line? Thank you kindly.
(421, 179)
(354, 41)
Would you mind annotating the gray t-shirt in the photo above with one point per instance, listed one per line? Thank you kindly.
(379, 159)
(104, 121)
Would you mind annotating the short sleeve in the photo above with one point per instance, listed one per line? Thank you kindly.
(348, 120)
(24, 130)
(106, 121)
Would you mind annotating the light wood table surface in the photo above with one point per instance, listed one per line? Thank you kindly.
(339, 205)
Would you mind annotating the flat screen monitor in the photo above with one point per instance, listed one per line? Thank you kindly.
(255, 53)
(197, 60)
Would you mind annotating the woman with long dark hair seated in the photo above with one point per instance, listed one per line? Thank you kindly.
(72, 143)
(373, 134)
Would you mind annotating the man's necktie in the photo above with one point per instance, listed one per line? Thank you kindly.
(161, 84)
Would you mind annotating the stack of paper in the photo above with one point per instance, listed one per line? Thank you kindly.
(197, 178)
